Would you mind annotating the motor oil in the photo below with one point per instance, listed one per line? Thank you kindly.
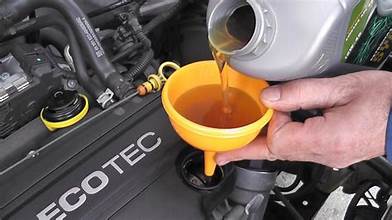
(221, 62)
(225, 90)
(205, 106)
(280, 40)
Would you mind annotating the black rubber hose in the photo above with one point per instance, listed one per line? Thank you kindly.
(141, 65)
(383, 167)
(109, 8)
(5, 48)
(295, 214)
(123, 54)
(13, 11)
(158, 20)
(143, 39)
(112, 7)
(39, 23)
(53, 36)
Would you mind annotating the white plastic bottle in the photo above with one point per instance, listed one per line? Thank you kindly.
(281, 40)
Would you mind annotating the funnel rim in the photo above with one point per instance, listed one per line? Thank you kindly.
(210, 131)
(214, 132)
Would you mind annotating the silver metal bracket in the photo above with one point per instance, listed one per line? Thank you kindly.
(254, 204)
(106, 98)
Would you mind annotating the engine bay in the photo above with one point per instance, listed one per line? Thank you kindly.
(83, 134)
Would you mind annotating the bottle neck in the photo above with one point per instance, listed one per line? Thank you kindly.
(240, 27)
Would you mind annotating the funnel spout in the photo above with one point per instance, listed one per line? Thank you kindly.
(209, 163)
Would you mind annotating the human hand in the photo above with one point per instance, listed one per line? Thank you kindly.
(352, 129)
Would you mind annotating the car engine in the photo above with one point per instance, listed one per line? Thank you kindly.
(83, 134)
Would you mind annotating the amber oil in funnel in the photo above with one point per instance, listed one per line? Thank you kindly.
(205, 106)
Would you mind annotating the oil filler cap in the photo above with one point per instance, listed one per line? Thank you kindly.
(65, 108)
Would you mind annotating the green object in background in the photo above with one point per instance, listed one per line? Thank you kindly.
(369, 36)
(357, 25)
(373, 47)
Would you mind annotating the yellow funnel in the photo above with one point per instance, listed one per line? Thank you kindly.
(212, 140)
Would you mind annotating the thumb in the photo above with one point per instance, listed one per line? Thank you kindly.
(257, 150)
(310, 93)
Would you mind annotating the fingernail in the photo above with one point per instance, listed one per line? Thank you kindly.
(271, 94)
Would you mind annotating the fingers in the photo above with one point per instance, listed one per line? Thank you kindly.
(283, 132)
(296, 141)
(287, 140)
(257, 150)
(309, 94)
(278, 121)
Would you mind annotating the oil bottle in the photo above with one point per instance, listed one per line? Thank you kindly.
(280, 40)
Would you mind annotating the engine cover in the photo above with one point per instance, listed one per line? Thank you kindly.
(119, 164)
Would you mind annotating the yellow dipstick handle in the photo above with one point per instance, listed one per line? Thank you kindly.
(155, 81)
(166, 65)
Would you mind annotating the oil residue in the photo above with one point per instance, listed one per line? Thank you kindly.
(205, 106)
